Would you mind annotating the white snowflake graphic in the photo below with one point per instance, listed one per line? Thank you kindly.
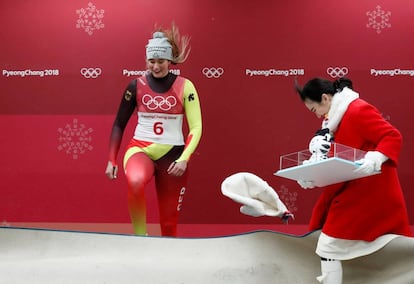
(387, 117)
(90, 19)
(378, 19)
(288, 198)
(75, 139)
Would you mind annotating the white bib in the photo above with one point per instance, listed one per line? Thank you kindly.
(160, 128)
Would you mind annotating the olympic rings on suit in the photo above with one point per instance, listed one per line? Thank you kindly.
(91, 72)
(213, 72)
(337, 72)
(160, 102)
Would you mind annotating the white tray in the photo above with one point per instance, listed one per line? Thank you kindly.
(338, 167)
(322, 173)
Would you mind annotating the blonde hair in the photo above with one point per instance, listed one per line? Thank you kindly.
(180, 44)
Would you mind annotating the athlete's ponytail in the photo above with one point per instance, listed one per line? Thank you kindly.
(180, 44)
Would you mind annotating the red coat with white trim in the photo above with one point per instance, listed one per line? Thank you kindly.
(365, 208)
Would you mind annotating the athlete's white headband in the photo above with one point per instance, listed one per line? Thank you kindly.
(159, 47)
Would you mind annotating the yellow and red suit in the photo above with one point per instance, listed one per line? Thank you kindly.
(158, 141)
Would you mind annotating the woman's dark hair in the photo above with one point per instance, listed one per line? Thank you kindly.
(314, 88)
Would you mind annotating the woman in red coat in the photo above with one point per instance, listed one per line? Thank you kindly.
(360, 216)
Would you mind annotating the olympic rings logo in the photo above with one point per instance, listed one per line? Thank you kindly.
(213, 72)
(160, 102)
(91, 72)
(337, 72)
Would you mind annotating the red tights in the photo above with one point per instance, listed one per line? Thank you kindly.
(139, 171)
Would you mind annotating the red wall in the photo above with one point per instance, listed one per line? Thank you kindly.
(249, 121)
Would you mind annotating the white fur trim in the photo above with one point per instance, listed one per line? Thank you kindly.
(339, 105)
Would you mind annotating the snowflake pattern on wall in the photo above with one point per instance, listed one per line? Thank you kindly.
(90, 19)
(288, 198)
(75, 139)
(378, 19)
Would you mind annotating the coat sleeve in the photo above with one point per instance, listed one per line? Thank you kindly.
(374, 132)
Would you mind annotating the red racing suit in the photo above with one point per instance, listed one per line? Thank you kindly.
(161, 104)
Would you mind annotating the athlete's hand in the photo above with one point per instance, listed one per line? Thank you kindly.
(177, 168)
(111, 170)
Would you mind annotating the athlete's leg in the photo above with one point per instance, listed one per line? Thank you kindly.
(170, 193)
(139, 170)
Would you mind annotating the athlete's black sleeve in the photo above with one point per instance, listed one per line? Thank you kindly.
(126, 109)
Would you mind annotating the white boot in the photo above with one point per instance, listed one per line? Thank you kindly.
(331, 272)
